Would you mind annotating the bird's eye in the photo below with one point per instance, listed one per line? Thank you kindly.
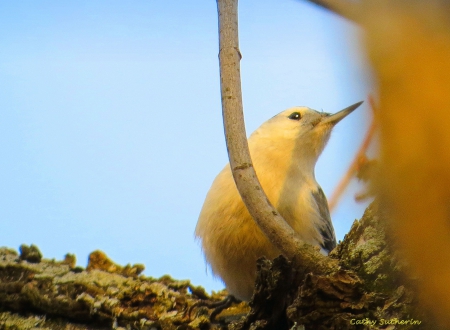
(295, 116)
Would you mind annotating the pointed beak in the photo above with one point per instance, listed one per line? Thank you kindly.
(338, 116)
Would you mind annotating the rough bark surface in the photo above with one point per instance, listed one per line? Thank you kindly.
(368, 286)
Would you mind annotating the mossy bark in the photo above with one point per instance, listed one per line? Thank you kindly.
(368, 290)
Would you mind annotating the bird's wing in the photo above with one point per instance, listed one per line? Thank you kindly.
(326, 230)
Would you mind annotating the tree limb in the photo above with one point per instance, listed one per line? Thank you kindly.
(265, 215)
(38, 293)
(350, 10)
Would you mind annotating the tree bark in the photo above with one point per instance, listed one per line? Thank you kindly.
(369, 284)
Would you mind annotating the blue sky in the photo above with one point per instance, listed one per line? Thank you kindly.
(111, 122)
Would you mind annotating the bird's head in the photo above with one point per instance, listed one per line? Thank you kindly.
(301, 130)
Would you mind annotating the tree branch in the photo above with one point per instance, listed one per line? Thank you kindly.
(39, 293)
(265, 215)
(350, 10)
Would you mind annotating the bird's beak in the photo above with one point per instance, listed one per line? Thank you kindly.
(338, 116)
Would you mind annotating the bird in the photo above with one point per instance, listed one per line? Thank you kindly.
(284, 151)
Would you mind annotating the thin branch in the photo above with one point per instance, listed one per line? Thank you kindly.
(265, 215)
(356, 164)
(345, 8)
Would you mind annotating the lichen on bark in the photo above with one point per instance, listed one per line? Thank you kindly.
(368, 284)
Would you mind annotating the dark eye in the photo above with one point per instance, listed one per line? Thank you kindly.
(295, 116)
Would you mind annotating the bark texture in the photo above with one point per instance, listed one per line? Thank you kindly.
(368, 286)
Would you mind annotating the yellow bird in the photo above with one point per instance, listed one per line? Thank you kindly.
(284, 152)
